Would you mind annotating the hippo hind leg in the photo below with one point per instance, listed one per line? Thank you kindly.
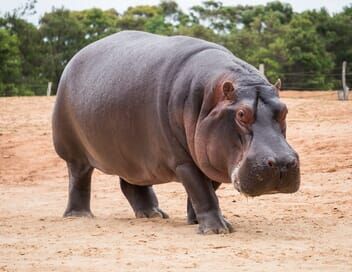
(79, 190)
(142, 199)
(191, 215)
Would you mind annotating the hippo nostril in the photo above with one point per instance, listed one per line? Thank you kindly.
(271, 162)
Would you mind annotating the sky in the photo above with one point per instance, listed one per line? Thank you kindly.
(43, 6)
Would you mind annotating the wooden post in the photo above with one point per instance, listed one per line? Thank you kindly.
(48, 91)
(344, 86)
(262, 69)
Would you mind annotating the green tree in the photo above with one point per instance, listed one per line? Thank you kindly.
(219, 18)
(63, 36)
(198, 31)
(336, 31)
(173, 14)
(135, 18)
(157, 25)
(307, 53)
(258, 36)
(10, 63)
(160, 19)
(30, 45)
(96, 23)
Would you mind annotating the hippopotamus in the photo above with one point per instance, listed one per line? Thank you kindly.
(153, 109)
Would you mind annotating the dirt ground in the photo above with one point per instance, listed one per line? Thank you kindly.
(309, 230)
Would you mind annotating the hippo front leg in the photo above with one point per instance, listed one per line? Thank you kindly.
(191, 215)
(204, 200)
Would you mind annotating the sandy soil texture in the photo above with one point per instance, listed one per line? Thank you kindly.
(310, 230)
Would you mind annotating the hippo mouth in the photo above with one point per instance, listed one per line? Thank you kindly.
(237, 183)
(235, 179)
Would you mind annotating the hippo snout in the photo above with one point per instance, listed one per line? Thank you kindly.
(267, 175)
(283, 165)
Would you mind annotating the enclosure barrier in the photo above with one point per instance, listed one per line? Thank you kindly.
(298, 81)
(48, 92)
(343, 94)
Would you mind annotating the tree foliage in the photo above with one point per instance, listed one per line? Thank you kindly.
(304, 49)
(10, 67)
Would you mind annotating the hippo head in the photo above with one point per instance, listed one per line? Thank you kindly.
(241, 137)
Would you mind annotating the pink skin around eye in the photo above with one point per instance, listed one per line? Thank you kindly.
(244, 116)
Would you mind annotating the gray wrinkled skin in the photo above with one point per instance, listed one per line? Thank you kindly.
(155, 109)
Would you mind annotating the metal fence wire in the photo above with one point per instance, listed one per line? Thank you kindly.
(313, 81)
(300, 81)
(24, 89)
(38, 89)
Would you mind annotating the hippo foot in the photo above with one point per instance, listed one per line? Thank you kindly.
(192, 221)
(73, 213)
(215, 226)
(151, 213)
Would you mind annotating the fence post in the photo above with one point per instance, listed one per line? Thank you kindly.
(48, 91)
(344, 86)
(262, 69)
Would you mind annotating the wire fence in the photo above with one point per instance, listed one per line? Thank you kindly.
(24, 89)
(313, 81)
(290, 81)
(38, 89)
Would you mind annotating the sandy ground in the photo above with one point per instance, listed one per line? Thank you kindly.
(309, 230)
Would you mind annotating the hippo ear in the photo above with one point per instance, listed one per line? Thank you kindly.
(229, 90)
(277, 85)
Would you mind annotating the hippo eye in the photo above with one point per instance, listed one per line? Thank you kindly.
(244, 116)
